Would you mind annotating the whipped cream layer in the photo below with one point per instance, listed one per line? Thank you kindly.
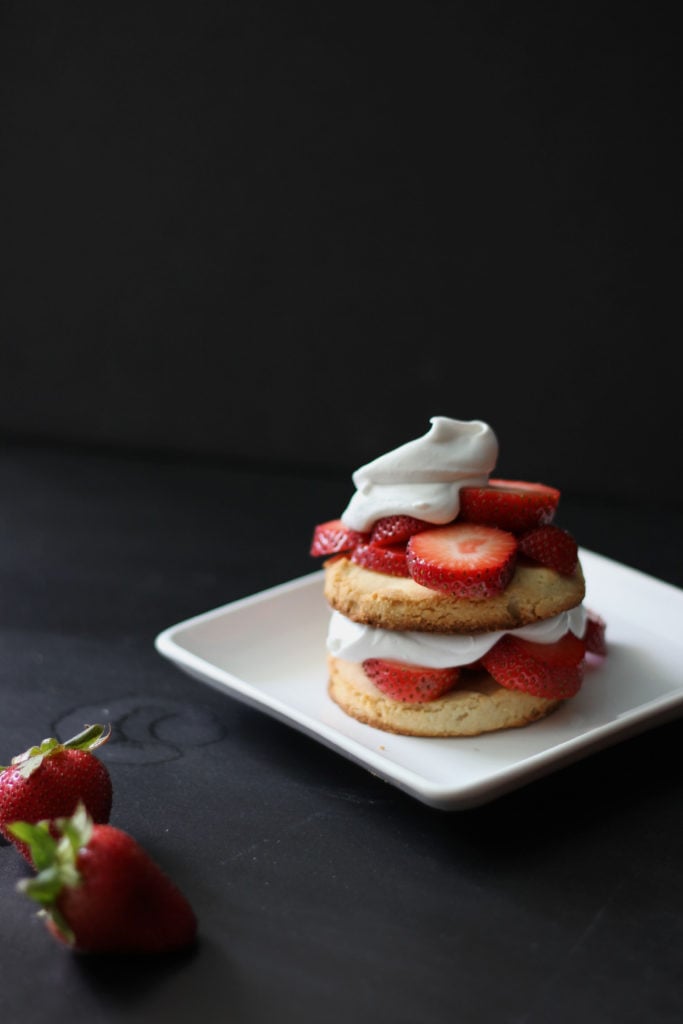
(423, 478)
(353, 641)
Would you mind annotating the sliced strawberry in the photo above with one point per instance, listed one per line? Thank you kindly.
(594, 637)
(333, 536)
(565, 652)
(397, 529)
(552, 547)
(413, 684)
(513, 505)
(390, 560)
(554, 671)
(464, 560)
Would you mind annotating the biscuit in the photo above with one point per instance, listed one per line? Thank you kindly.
(478, 705)
(397, 602)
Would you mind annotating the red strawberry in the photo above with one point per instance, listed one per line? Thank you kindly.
(48, 781)
(333, 536)
(413, 684)
(101, 892)
(397, 529)
(513, 505)
(544, 670)
(594, 637)
(390, 560)
(464, 560)
(552, 547)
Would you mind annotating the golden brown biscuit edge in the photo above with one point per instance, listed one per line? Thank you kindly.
(399, 603)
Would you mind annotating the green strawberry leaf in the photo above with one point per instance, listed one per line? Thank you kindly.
(60, 923)
(26, 768)
(76, 831)
(90, 738)
(55, 859)
(45, 887)
(38, 839)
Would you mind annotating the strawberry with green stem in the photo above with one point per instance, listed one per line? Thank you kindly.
(100, 891)
(48, 781)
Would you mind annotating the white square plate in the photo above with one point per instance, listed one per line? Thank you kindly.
(268, 650)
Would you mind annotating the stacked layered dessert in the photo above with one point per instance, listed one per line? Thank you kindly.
(457, 602)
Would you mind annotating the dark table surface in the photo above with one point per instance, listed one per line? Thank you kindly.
(323, 893)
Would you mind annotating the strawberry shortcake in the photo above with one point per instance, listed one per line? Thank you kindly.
(457, 602)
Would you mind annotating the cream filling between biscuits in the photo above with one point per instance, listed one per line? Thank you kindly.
(352, 641)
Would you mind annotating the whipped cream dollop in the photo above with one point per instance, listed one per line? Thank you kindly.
(423, 478)
(353, 641)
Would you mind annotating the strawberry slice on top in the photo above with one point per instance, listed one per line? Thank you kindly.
(552, 547)
(391, 560)
(333, 537)
(513, 505)
(464, 560)
(397, 529)
(412, 684)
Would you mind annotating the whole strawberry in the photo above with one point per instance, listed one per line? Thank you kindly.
(48, 781)
(100, 892)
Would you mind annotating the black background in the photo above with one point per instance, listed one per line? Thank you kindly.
(290, 233)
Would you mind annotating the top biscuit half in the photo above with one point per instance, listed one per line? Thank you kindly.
(534, 593)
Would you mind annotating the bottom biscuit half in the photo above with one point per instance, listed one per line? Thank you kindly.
(476, 706)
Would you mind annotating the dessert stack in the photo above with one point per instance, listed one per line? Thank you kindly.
(457, 601)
